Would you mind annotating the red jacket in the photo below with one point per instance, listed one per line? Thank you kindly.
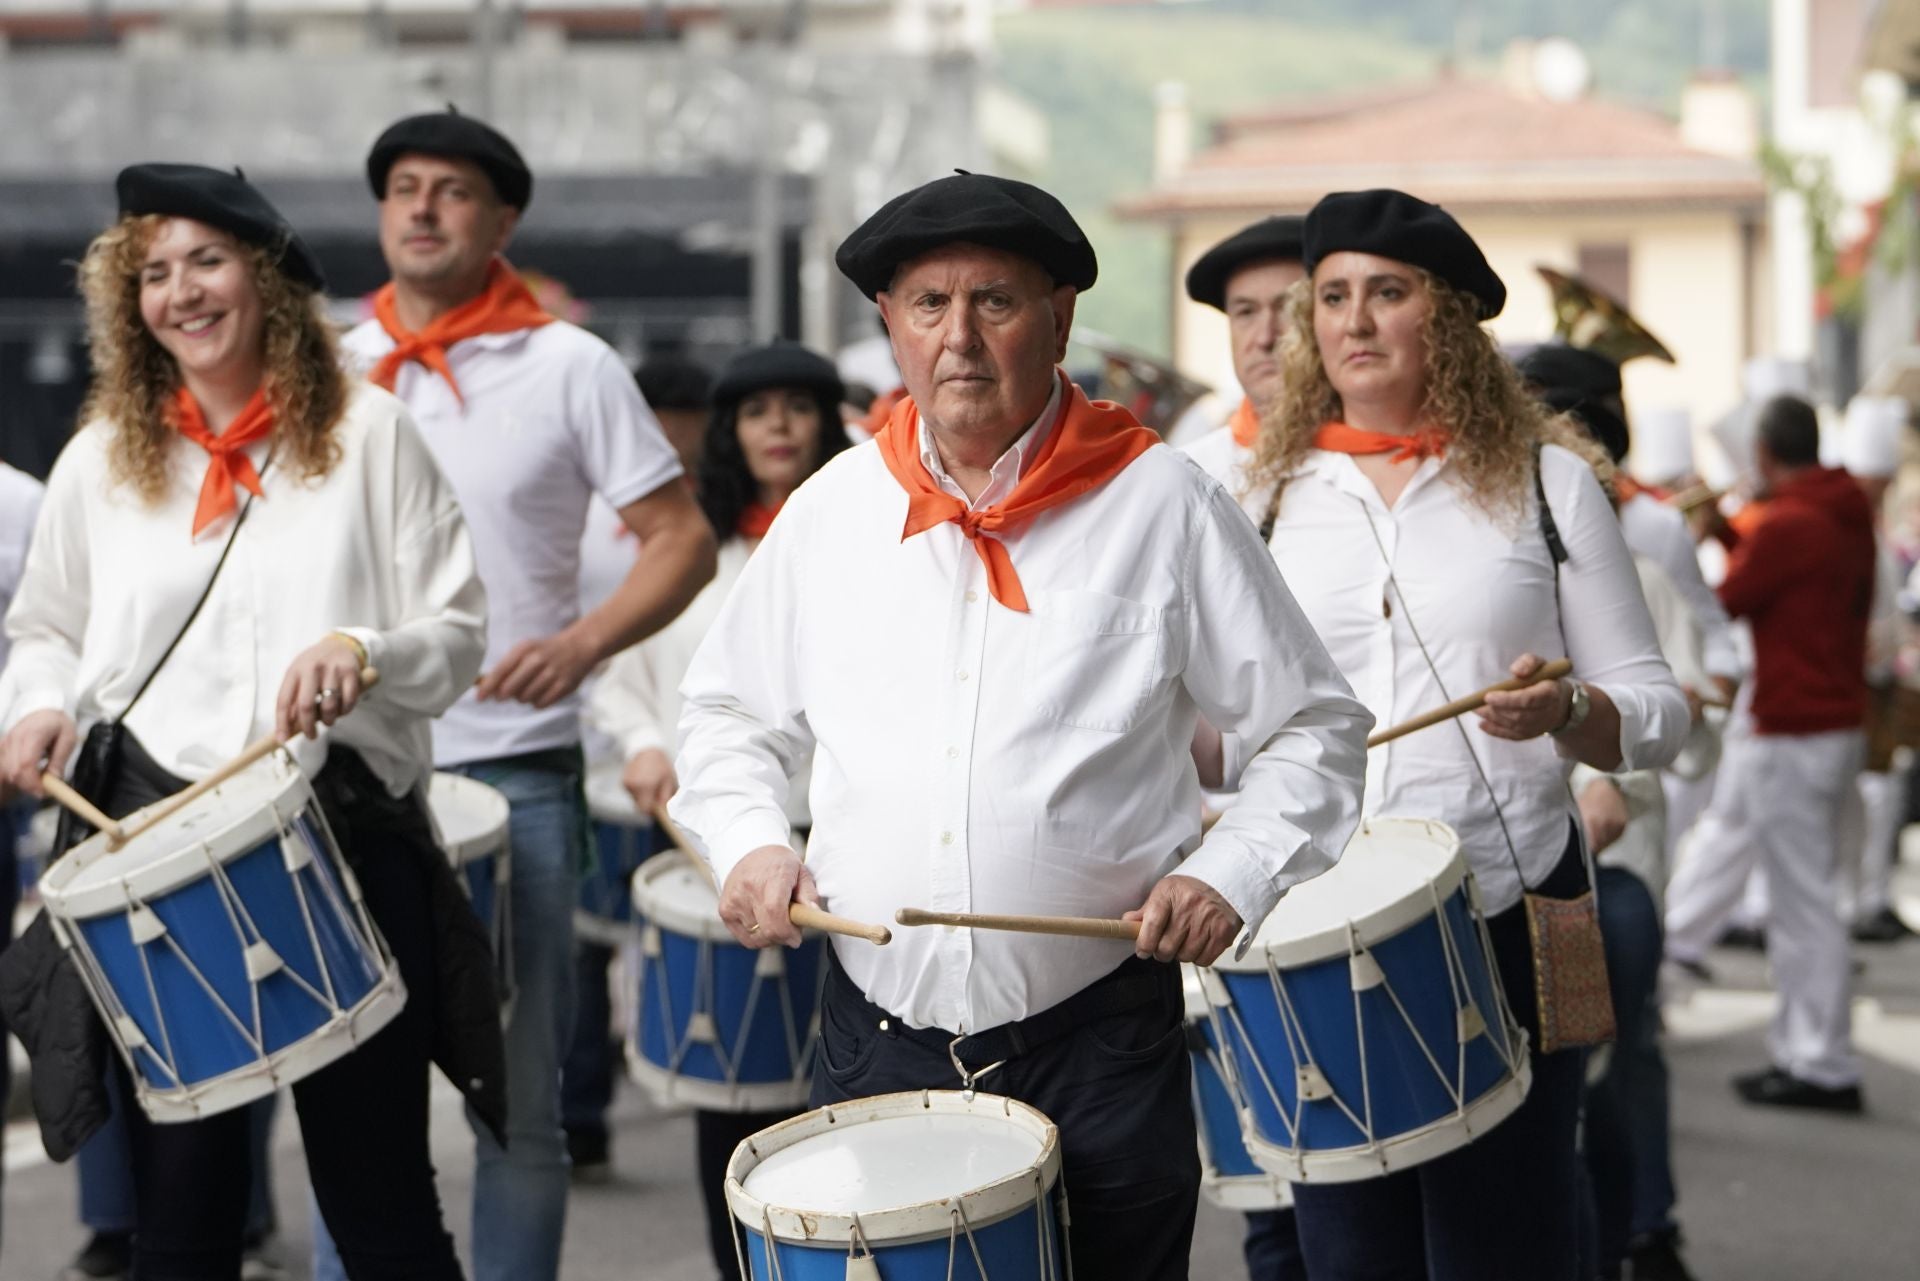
(1803, 577)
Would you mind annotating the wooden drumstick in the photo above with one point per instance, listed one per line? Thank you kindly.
(1084, 927)
(1688, 499)
(1461, 706)
(254, 752)
(61, 790)
(803, 915)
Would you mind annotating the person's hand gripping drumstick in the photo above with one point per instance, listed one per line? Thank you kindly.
(754, 901)
(1184, 919)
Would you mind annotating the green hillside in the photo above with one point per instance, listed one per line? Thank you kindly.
(1093, 72)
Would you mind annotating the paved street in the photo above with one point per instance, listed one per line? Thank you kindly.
(1765, 1196)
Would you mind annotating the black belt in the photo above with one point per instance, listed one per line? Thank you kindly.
(1134, 983)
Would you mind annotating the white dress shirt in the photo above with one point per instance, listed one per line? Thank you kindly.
(635, 702)
(1659, 533)
(376, 548)
(20, 496)
(550, 418)
(1480, 595)
(968, 757)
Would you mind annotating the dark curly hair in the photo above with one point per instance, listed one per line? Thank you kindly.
(727, 486)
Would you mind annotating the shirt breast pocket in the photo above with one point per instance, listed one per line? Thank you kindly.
(1094, 660)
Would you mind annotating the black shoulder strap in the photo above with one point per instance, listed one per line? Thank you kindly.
(205, 592)
(1548, 530)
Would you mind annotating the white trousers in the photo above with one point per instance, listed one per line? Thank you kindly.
(1870, 832)
(1779, 800)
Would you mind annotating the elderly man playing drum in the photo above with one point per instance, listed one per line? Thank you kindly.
(995, 626)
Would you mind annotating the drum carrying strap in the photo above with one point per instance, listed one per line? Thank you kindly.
(1571, 992)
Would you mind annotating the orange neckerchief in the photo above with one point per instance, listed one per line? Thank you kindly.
(505, 305)
(1092, 442)
(1246, 425)
(756, 520)
(228, 466)
(1626, 488)
(1342, 439)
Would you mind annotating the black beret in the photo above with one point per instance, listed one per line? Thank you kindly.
(974, 208)
(448, 133)
(1279, 237)
(1392, 224)
(219, 199)
(1574, 381)
(778, 364)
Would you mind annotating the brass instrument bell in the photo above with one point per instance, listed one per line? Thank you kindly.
(1587, 318)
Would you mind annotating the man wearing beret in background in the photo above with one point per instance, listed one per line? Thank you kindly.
(1247, 276)
(1031, 600)
(529, 417)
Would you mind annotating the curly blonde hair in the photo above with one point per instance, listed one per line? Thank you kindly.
(134, 379)
(1473, 393)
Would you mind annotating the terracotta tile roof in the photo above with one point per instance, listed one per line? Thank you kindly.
(1456, 142)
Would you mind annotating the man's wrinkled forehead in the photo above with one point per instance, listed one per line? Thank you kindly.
(971, 268)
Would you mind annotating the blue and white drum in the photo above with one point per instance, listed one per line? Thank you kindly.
(924, 1186)
(622, 839)
(717, 1025)
(1229, 1177)
(226, 947)
(472, 821)
(1366, 1028)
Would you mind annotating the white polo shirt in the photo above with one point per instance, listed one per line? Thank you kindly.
(550, 419)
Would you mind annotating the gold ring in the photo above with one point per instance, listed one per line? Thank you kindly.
(754, 928)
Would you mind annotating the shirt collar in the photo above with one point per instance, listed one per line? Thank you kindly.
(1010, 466)
(1342, 473)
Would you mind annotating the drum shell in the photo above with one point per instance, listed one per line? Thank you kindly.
(1381, 1027)
(473, 823)
(238, 958)
(717, 1025)
(622, 840)
(1229, 1176)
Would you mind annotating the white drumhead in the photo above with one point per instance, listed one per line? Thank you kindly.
(609, 801)
(669, 891)
(1385, 881)
(896, 1165)
(470, 816)
(228, 821)
(896, 1161)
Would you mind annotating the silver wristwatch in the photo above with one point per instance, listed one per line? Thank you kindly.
(1579, 707)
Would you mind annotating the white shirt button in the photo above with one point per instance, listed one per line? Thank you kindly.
(946, 838)
(953, 753)
(962, 675)
(972, 596)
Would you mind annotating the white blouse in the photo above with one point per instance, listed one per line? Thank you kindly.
(376, 548)
(1479, 595)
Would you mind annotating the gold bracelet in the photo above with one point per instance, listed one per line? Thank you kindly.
(354, 641)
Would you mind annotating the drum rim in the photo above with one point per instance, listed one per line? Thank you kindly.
(1376, 926)
(985, 1205)
(185, 863)
(602, 808)
(669, 916)
(493, 840)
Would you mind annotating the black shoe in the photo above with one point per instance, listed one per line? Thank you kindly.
(1884, 926)
(1775, 1088)
(1656, 1257)
(1748, 938)
(107, 1257)
(591, 1154)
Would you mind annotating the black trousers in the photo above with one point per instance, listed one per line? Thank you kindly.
(716, 1135)
(1117, 1088)
(363, 1118)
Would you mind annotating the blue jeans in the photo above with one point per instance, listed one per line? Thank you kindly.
(520, 1191)
(104, 1165)
(1627, 1143)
